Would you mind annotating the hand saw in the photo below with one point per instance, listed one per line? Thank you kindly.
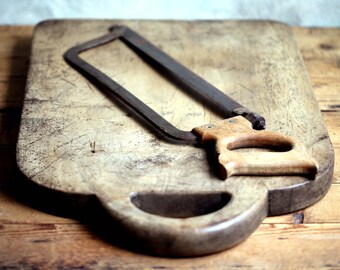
(242, 128)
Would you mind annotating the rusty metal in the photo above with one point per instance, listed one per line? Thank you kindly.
(190, 80)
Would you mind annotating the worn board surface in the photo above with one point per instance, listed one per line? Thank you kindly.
(75, 140)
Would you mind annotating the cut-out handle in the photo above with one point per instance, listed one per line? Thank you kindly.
(179, 205)
(172, 231)
(291, 157)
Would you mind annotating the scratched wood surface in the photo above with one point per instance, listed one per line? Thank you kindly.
(75, 139)
(42, 231)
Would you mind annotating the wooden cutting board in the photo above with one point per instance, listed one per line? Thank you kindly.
(167, 196)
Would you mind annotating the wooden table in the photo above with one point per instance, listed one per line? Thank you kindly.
(44, 229)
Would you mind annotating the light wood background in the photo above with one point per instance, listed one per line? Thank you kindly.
(40, 229)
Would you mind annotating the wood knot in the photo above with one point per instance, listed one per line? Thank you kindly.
(326, 47)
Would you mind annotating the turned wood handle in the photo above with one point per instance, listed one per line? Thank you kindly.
(290, 157)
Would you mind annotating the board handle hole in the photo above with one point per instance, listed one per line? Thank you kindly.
(178, 205)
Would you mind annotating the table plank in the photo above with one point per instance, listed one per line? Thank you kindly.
(332, 122)
(272, 246)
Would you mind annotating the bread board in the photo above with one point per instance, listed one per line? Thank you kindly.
(74, 139)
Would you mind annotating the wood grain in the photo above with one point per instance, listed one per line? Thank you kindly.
(272, 246)
(76, 140)
(312, 246)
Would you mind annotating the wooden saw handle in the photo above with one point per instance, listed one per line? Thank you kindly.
(291, 156)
